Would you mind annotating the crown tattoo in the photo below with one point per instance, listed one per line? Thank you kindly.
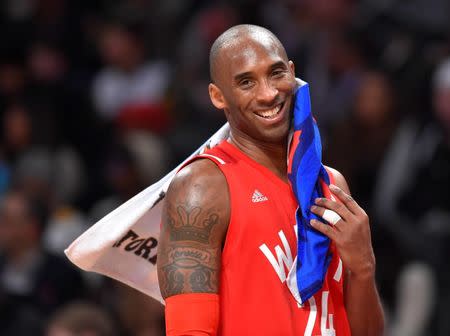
(190, 227)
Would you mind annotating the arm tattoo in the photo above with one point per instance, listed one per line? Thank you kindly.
(201, 279)
(189, 260)
(188, 225)
(189, 268)
(175, 280)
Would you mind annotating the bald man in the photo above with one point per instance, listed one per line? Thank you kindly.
(228, 235)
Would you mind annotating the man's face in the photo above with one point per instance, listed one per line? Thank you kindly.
(257, 84)
(15, 225)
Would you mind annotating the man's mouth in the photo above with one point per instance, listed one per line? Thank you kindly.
(270, 114)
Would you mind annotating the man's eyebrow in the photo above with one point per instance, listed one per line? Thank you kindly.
(242, 75)
(278, 64)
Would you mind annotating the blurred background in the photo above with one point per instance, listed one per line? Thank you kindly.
(98, 99)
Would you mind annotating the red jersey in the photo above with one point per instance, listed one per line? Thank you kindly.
(259, 251)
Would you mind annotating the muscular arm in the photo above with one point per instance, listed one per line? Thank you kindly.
(194, 223)
(352, 238)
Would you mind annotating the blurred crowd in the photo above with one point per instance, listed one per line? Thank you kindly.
(98, 99)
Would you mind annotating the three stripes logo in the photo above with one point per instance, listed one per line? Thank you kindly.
(258, 197)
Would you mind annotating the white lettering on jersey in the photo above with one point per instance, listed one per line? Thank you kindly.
(338, 275)
(324, 318)
(312, 316)
(283, 259)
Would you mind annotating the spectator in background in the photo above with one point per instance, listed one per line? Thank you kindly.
(47, 63)
(122, 178)
(54, 178)
(335, 70)
(33, 282)
(81, 319)
(131, 89)
(367, 130)
(413, 203)
(331, 54)
(192, 56)
(137, 160)
(196, 117)
(12, 78)
(139, 314)
(16, 131)
(58, 111)
(45, 167)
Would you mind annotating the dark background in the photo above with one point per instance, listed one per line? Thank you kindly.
(98, 99)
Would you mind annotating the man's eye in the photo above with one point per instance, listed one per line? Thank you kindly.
(278, 73)
(245, 83)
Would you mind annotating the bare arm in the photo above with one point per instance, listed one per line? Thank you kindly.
(352, 237)
(194, 223)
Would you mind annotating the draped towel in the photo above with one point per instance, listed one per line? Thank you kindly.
(123, 244)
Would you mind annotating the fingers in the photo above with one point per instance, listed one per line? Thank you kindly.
(326, 229)
(328, 215)
(348, 200)
(323, 204)
(331, 217)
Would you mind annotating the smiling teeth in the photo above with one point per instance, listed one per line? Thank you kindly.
(270, 113)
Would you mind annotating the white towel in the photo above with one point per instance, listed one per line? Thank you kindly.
(122, 245)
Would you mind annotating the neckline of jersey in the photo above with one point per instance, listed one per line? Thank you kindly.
(266, 171)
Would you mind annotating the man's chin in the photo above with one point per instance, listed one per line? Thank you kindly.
(276, 136)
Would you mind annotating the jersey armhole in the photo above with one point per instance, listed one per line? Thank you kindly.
(330, 175)
(214, 158)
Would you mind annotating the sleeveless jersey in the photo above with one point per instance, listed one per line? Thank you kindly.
(258, 253)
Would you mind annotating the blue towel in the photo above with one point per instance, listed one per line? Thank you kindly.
(308, 179)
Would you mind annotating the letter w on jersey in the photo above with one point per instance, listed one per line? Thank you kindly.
(283, 259)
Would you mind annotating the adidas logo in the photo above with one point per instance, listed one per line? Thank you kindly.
(258, 197)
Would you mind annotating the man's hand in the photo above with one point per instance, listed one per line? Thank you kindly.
(351, 233)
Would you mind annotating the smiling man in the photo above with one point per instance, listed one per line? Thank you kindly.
(228, 239)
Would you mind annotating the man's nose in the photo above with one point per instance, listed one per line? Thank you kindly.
(266, 93)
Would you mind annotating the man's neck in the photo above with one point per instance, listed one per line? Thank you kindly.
(271, 155)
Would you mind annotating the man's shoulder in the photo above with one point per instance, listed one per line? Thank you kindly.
(198, 194)
(201, 175)
(339, 179)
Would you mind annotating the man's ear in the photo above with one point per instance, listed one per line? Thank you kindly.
(292, 67)
(216, 96)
